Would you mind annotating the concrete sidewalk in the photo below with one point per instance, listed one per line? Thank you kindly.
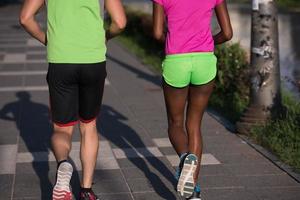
(136, 160)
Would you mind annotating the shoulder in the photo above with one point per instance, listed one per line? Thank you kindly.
(161, 2)
(218, 2)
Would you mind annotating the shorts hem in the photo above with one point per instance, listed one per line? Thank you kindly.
(203, 83)
(87, 121)
(66, 124)
(173, 85)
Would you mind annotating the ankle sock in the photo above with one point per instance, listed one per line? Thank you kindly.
(197, 188)
(59, 163)
(183, 155)
(85, 189)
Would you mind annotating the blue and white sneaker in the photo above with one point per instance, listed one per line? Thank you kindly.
(196, 194)
(186, 185)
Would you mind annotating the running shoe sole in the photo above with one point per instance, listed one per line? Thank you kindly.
(186, 183)
(61, 190)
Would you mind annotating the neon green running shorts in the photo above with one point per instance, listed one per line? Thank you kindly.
(181, 70)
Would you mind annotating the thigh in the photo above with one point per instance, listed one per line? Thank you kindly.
(63, 89)
(175, 99)
(197, 101)
(91, 87)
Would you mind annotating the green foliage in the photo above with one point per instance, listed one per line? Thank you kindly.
(138, 38)
(231, 95)
(282, 136)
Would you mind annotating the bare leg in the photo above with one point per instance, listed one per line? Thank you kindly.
(197, 103)
(175, 103)
(62, 142)
(88, 152)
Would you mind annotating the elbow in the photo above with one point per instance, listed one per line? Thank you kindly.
(121, 23)
(228, 35)
(23, 20)
(157, 35)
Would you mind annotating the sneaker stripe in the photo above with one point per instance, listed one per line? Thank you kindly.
(186, 180)
(61, 190)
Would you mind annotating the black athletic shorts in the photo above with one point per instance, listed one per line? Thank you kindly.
(76, 92)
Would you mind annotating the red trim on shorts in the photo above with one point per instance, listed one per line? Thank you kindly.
(66, 124)
(87, 121)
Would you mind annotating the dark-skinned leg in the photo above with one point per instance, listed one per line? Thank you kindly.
(197, 103)
(175, 100)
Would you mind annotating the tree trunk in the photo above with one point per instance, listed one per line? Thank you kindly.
(265, 100)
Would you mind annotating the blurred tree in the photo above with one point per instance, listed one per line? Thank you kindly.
(265, 100)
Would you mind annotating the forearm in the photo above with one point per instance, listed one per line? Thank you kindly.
(118, 18)
(219, 38)
(160, 38)
(222, 37)
(34, 29)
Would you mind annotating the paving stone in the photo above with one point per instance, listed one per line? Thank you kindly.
(278, 193)
(14, 58)
(229, 194)
(137, 152)
(123, 196)
(36, 168)
(37, 80)
(162, 142)
(154, 196)
(260, 181)
(240, 158)
(9, 137)
(214, 170)
(8, 81)
(167, 151)
(207, 159)
(153, 185)
(11, 67)
(6, 182)
(35, 66)
(33, 43)
(140, 162)
(36, 56)
(110, 186)
(253, 169)
(40, 186)
(15, 49)
(36, 48)
(8, 155)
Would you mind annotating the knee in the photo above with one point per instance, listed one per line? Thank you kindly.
(88, 128)
(193, 127)
(175, 122)
(63, 130)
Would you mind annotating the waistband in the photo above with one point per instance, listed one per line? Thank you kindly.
(196, 54)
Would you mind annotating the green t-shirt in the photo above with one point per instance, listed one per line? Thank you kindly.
(75, 32)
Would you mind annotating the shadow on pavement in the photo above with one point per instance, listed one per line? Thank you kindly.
(32, 121)
(114, 128)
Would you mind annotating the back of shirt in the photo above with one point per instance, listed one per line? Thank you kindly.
(189, 25)
(75, 32)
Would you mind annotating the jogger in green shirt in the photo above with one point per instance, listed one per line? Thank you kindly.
(76, 48)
